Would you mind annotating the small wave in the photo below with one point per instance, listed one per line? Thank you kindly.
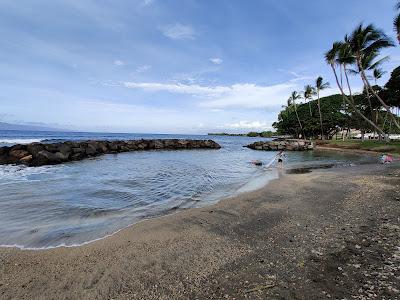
(20, 172)
(53, 140)
(19, 141)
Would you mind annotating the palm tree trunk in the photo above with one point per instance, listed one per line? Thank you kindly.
(358, 58)
(344, 101)
(384, 121)
(297, 116)
(320, 117)
(351, 103)
(309, 105)
(365, 79)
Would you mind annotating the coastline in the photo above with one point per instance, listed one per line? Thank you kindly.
(350, 151)
(356, 151)
(256, 244)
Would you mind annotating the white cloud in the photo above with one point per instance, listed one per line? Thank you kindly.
(147, 2)
(143, 68)
(249, 125)
(119, 63)
(249, 95)
(178, 32)
(241, 95)
(179, 88)
(297, 76)
(216, 60)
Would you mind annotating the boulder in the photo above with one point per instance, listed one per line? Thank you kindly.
(62, 156)
(26, 159)
(45, 157)
(34, 148)
(18, 154)
(91, 150)
(65, 149)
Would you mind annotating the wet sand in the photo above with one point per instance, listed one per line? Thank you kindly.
(326, 234)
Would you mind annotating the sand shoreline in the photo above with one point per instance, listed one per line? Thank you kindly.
(272, 242)
(349, 150)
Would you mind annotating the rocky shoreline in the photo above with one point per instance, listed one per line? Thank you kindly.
(287, 145)
(39, 154)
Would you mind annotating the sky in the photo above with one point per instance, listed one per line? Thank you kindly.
(169, 66)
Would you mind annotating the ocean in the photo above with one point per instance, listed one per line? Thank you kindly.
(78, 202)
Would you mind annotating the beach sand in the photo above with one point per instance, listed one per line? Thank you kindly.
(325, 234)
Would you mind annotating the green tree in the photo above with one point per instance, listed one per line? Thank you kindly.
(391, 92)
(308, 93)
(319, 86)
(296, 96)
(332, 122)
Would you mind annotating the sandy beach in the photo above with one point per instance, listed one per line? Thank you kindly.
(325, 234)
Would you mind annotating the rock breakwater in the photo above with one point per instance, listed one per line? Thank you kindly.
(39, 154)
(287, 145)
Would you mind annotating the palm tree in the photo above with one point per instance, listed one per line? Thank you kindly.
(366, 43)
(344, 59)
(287, 107)
(319, 86)
(331, 59)
(309, 91)
(369, 62)
(295, 96)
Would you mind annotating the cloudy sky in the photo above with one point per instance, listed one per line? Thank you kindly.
(168, 66)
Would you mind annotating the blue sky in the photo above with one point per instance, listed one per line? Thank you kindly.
(169, 66)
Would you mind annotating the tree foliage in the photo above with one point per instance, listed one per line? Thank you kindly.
(331, 109)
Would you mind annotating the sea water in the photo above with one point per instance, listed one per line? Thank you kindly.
(78, 202)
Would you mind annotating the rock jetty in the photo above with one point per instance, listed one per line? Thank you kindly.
(39, 154)
(287, 145)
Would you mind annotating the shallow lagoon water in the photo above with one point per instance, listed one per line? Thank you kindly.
(78, 202)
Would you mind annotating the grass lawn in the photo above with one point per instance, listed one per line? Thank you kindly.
(370, 145)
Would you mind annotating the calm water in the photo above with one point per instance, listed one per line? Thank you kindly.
(77, 202)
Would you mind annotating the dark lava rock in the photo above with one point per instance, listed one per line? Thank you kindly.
(38, 154)
(287, 145)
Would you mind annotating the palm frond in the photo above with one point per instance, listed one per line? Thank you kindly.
(331, 54)
(396, 24)
(352, 72)
(378, 63)
(320, 84)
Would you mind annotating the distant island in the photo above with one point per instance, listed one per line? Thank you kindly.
(266, 134)
(26, 127)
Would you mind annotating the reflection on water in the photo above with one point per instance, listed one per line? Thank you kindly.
(81, 201)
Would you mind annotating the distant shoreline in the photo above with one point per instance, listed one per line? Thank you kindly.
(264, 134)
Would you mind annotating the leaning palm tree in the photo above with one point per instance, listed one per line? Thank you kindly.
(331, 59)
(319, 86)
(345, 58)
(368, 42)
(295, 96)
(308, 93)
(369, 62)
